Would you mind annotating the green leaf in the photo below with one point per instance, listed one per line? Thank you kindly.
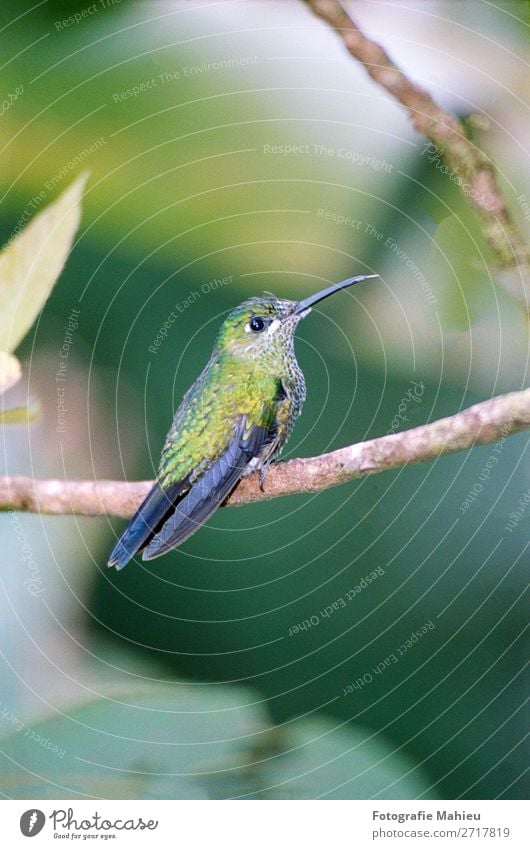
(32, 262)
(155, 741)
(325, 759)
(180, 741)
(10, 371)
(19, 415)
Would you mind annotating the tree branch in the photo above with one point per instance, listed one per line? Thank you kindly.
(475, 171)
(487, 422)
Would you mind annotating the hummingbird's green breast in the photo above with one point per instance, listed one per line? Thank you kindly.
(209, 414)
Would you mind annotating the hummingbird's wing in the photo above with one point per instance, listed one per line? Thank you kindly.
(148, 519)
(211, 488)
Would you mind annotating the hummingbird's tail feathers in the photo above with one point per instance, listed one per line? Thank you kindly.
(211, 489)
(146, 522)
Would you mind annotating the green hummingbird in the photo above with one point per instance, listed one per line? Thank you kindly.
(235, 418)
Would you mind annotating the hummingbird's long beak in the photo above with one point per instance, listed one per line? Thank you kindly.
(309, 302)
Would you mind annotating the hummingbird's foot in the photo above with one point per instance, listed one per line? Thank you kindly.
(262, 476)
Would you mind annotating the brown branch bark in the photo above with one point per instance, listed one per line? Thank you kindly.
(475, 171)
(487, 422)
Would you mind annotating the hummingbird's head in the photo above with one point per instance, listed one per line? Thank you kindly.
(264, 327)
(259, 326)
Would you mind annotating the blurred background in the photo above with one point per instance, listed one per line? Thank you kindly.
(235, 148)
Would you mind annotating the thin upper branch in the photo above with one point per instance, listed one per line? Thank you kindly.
(475, 172)
(489, 421)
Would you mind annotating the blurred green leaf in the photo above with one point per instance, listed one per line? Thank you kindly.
(19, 415)
(31, 263)
(341, 763)
(176, 741)
(155, 741)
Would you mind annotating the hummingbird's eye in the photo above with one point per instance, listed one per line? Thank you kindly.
(256, 324)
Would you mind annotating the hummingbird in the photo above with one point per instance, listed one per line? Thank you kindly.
(235, 418)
